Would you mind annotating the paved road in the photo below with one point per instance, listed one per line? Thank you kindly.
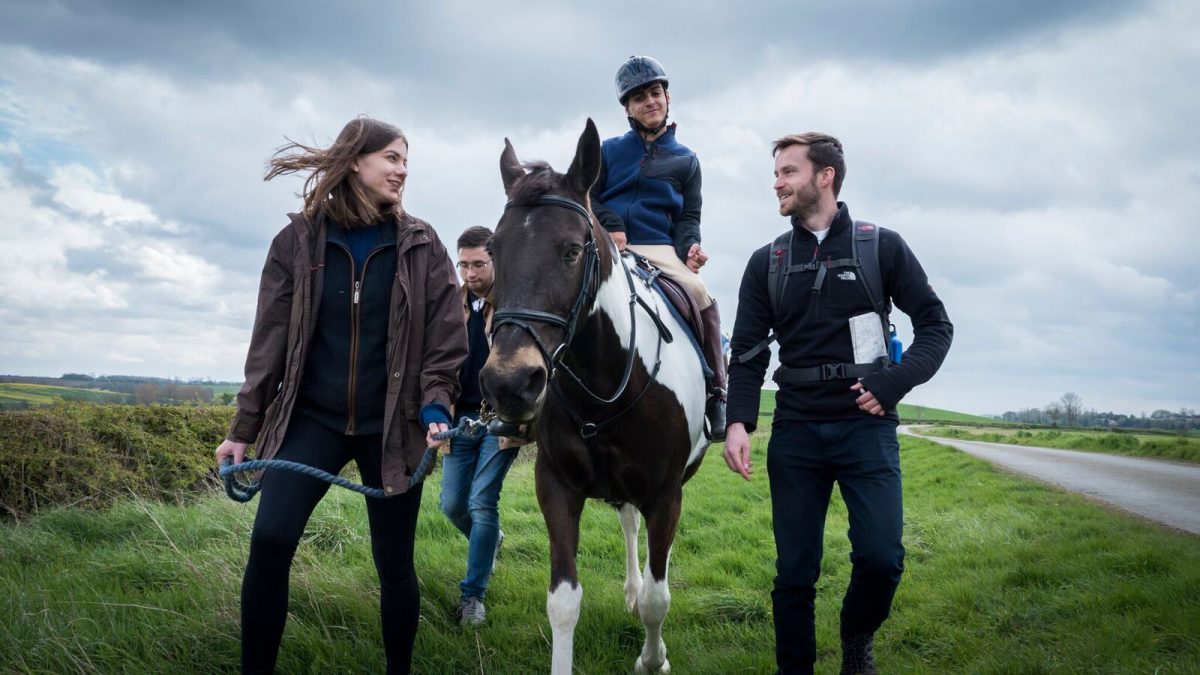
(1160, 490)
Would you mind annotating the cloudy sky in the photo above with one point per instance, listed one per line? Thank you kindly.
(1042, 160)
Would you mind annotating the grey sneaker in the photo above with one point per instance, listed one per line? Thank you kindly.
(496, 555)
(470, 612)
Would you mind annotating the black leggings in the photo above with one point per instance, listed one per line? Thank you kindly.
(285, 504)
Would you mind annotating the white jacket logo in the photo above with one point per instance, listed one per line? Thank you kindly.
(847, 276)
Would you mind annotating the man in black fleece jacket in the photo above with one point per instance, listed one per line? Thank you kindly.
(829, 427)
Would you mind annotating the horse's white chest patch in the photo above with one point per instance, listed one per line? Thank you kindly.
(681, 370)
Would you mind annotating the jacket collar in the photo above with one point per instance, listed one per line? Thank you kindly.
(387, 234)
(667, 137)
(841, 222)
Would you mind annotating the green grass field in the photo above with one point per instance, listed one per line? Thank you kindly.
(219, 389)
(1003, 576)
(918, 413)
(21, 395)
(1181, 448)
(908, 413)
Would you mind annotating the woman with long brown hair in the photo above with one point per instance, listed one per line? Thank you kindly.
(354, 354)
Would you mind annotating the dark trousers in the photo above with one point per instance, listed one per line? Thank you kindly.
(804, 459)
(285, 503)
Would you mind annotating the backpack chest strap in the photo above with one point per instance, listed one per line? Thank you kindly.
(827, 371)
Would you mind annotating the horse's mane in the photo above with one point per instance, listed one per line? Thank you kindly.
(539, 179)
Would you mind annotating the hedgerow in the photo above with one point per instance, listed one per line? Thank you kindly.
(88, 455)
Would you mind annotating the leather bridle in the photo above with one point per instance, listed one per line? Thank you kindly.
(524, 319)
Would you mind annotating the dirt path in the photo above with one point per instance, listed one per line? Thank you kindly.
(1160, 490)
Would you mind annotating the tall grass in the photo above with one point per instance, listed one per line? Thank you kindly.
(1003, 576)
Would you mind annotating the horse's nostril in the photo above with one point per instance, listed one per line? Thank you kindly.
(537, 381)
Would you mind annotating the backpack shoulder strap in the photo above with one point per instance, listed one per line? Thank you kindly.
(780, 268)
(865, 250)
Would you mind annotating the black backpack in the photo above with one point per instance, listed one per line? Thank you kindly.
(864, 260)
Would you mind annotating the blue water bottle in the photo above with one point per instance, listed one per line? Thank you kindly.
(895, 349)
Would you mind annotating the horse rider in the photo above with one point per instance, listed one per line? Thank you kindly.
(648, 199)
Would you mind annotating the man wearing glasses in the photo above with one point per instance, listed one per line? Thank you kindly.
(473, 471)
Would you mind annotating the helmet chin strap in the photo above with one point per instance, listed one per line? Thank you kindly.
(643, 129)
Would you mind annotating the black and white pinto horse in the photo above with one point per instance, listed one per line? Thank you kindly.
(593, 358)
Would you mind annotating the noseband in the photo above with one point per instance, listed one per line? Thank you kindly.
(522, 318)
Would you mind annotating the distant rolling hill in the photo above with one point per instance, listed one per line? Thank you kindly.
(908, 413)
(18, 395)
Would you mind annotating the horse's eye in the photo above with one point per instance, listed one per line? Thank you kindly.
(573, 253)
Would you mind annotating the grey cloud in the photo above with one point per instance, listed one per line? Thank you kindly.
(544, 55)
(188, 101)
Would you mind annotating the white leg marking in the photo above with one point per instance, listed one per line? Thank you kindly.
(653, 603)
(630, 522)
(562, 607)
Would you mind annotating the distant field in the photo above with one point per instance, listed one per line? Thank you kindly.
(908, 413)
(14, 395)
(1177, 447)
(23, 394)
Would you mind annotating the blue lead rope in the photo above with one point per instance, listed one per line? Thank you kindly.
(244, 492)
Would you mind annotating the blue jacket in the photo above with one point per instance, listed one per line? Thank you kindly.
(650, 192)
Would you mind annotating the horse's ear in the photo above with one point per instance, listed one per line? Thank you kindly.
(510, 168)
(585, 168)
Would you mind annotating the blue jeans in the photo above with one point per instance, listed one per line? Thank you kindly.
(804, 459)
(472, 475)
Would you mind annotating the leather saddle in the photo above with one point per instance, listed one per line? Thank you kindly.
(678, 299)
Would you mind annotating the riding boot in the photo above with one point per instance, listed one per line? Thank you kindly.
(714, 355)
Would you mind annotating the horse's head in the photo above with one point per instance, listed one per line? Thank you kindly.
(548, 253)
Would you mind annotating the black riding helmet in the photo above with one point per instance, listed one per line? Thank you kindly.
(638, 72)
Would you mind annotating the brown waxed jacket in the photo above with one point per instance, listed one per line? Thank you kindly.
(488, 309)
(506, 442)
(426, 345)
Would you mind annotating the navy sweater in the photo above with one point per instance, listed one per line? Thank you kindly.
(344, 386)
(650, 192)
(478, 350)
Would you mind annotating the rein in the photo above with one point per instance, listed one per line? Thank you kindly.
(521, 317)
(244, 492)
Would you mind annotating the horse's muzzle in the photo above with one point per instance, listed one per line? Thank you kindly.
(515, 391)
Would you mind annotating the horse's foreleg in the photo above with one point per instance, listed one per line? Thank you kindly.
(630, 522)
(654, 600)
(562, 608)
(561, 508)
